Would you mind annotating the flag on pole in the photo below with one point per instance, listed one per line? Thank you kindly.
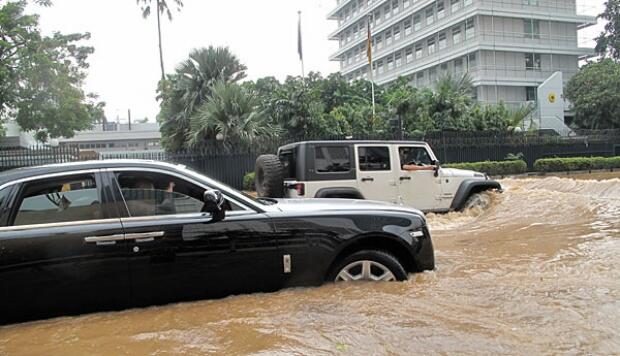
(369, 44)
(299, 44)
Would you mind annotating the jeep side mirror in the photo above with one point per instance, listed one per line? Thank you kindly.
(214, 204)
(437, 166)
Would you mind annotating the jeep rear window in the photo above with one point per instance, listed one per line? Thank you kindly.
(331, 159)
(289, 163)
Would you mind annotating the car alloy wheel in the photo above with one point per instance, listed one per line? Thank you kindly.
(365, 271)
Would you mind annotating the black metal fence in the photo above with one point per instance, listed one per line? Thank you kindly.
(229, 165)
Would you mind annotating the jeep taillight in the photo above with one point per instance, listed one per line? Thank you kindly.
(300, 188)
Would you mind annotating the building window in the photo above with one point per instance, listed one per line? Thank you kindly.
(409, 55)
(441, 11)
(398, 59)
(379, 42)
(420, 78)
(443, 68)
(531, 93)
(532, 28)
(456, 5)
(406, 4)
(430, 16)
(418, 51)
(458, 66)
(390, 63)
(442, 41)
(396, 33)
(407, 27)
(387, 13)
(417, 23)
(456, 35)
(431, 46)
(388, 38)
(467, 2)
(380, 67)
(377, 17)
(432, 74)
(471, 61)
(469, 29)
(530, 2)
(395, 7)
(532, 61)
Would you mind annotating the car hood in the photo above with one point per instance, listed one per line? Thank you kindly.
(462, 173)
(317, 204)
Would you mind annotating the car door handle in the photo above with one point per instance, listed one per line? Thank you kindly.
(368, 179)
(405, 178)
(104, 240)
(142, 237)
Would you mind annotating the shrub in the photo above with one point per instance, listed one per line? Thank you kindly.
(248, 182)
(493, 168)
(576, 164)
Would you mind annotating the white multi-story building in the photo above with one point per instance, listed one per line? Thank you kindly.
(508, 47)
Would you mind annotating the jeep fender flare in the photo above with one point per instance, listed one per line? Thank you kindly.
(351, 193)
(469, 187)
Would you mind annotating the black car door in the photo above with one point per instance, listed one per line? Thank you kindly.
(61, 249)
(178, 253)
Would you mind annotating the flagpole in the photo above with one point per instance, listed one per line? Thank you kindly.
(370, 61)
(300, 48)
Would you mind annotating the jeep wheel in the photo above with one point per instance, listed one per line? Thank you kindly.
(368, 265)
(269, 177)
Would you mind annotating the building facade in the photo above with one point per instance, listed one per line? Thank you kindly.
(117, 138)
(508, 47)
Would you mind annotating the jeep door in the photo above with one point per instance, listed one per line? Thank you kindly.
(376, 172)
(176, 252)
(419, 189)
(61, 248)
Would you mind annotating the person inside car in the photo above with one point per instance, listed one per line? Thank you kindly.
(143, 199)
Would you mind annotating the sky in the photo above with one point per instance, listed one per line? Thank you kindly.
(124, 70)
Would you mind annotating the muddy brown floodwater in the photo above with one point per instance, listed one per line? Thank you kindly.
(537, 271)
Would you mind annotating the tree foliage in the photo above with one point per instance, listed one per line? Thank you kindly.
(595, 94)
(232, 112)
(608, 42)
(41, 76)
(183, 93)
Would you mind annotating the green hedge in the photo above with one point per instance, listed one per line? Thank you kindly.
(248, 182)
(493, 168)
(576, 164)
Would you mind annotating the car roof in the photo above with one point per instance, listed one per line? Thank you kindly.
(19, 173)
(353, 142)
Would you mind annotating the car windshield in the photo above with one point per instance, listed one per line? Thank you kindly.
(225, 187)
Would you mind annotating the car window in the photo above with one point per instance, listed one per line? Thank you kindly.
(374, 158)
(66, 199)
(153, 194)
(329, 159)
(4, 196)
(414, 155)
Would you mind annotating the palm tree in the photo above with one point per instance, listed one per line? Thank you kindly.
(190, 86)
(232, 115)
(162, 7)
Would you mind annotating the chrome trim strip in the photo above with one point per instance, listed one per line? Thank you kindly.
(48, 175)
(62, 224)
(144, 235)
(185, 216)
(107, 238)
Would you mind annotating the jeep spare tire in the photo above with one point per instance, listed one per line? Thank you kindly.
(269, 177)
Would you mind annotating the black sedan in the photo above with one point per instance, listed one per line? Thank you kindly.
(109, 235)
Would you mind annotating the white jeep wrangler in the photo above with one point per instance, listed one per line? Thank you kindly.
(370, 170)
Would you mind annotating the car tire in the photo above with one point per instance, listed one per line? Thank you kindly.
(269, 177)
(368, 265)
(475, 200)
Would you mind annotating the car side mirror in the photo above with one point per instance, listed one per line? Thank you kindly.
(214, 204)
(437, 165)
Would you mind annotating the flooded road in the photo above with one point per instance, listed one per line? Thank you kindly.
(537, 271)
